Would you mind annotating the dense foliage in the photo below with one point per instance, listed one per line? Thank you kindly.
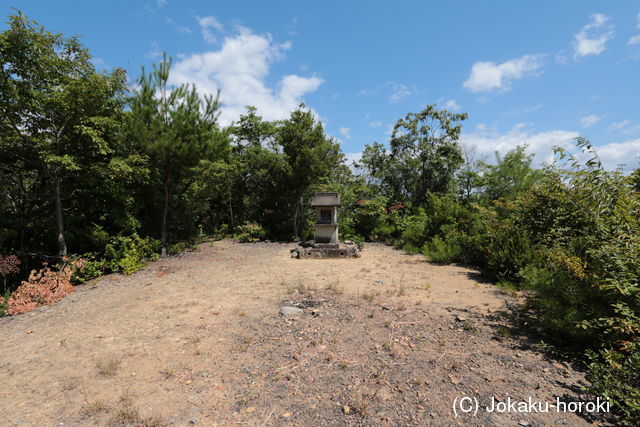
(119, 176)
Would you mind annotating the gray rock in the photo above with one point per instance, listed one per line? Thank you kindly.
(290, 311)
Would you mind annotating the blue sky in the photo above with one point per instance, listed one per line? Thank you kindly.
(535, 72)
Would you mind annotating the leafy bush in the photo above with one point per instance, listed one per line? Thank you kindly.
(125, 254)
(129, 254)
(181, 247)
(507, 249)
(584, 226)
(437, 250)
(507, 287)
(250, 232)
(91, 268)
(414, 230)
(616, 375)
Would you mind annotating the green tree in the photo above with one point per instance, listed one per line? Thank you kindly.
(468, 177)
(311, 156)
(57, 114)
(424, 155)
(176, 128)
(511, 174)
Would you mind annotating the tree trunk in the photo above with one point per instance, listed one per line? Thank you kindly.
(62, 245)
(295, 220)
(163, 223)
(231, 212)
(301, 215)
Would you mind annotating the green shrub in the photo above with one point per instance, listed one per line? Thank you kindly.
(180, 247)
(507, 287)
(91, 268)
(126, 254)
(250, 232)
(507, 250)
(441, 252)
(4, 302)
(367, 218)
(410, 249)
(615, 375)
(129, 254)
(414, 229)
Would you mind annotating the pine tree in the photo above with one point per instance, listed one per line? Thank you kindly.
(176, 128)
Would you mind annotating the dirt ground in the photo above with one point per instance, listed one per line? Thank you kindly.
(386, 339)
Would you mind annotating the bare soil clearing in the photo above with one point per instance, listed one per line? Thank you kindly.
(386, 339)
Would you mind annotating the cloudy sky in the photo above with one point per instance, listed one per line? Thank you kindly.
(535, 72)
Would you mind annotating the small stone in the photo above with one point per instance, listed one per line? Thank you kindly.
(460, 318)
(287, 415)
(290, 311)
(346, 410)
(383, 394)
(523, 423)
(519, 355)
(251, 409)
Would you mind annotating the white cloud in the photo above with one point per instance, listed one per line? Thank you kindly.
(620, 153)
(239, 69)
(206, 23)
(488, 76)
(634, 40)
(452, 105)
(590, 120)
(155, 51)
(100, 63)
(375, 124)
(618, 125)
(591, 39)
(399, 91)
(631, 130)
(349, 158)
(561, 57)
(541, 144)
(523, 111)
(346, 132)
(161, 3)
(178, 27)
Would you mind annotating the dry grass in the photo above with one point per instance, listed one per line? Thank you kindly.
(91, 409)
(334, 287)
(125, 414)
(370, 295)
(360, 403)
(108, 366)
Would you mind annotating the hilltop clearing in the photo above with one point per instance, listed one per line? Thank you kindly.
(384, 339)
